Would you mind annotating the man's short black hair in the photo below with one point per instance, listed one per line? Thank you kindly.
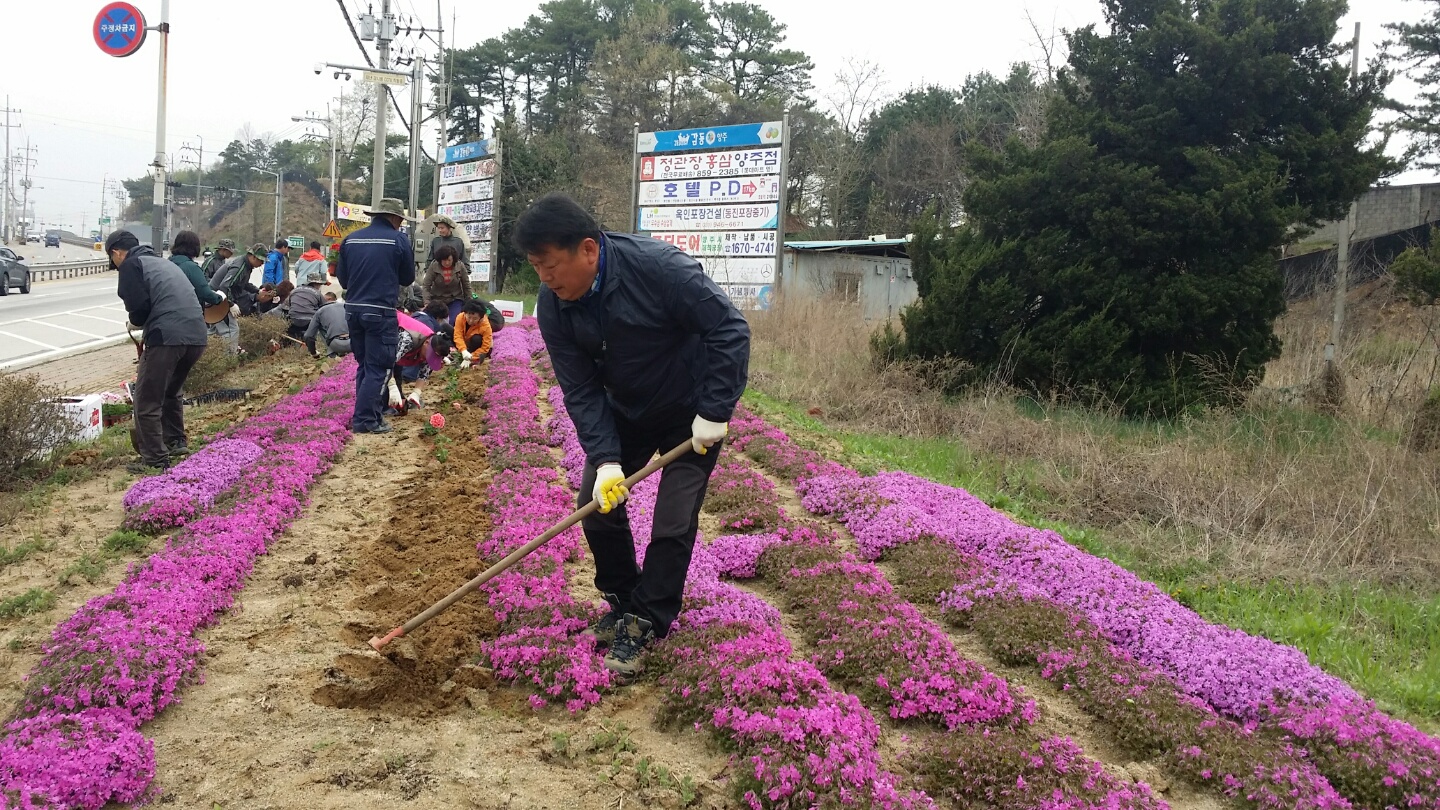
(473, 307)
(438, 311)
(187, 243)
(314, 245)
(554, 220)
(281, 244)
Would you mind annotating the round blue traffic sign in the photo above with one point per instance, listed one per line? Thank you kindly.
(119, 29)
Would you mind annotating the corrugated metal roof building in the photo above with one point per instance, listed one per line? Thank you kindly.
(874, 273)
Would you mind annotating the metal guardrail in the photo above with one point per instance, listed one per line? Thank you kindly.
(55, 272)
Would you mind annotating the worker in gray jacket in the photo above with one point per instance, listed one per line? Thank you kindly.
(329, 323)
(159, 299)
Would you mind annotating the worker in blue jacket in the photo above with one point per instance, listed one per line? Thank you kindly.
(649, 353)
(276, 270)
(375, 262)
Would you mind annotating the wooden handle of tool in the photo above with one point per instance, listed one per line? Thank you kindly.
(522, 552)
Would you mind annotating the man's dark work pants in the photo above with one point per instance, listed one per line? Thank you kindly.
(374, 334)
(159, 412)
(654, 592)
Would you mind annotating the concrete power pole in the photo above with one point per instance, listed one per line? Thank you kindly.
(417, 85)
(385, 33)
(1342, 248)
(25, 194)
(8, 193)
(443, 99)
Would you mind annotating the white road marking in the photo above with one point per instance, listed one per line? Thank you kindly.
(39, 322)
(28, 340)
(78, 312)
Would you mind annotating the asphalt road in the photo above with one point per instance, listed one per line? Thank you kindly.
(58, 318)
(37, 255)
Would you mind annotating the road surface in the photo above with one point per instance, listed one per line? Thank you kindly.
(59, 318)
(37, 255)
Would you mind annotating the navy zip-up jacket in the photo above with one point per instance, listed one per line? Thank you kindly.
(375, 262)
(662, 344)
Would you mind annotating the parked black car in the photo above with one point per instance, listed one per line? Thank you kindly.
(13, 272)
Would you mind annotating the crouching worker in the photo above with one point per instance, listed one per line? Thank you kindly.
(329, 324)
(650, 354)
(418, 347)
(472, 333)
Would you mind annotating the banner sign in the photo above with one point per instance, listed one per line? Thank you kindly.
(724, 243)
(467, 151)
(481, 253)
(479, 231)
(750, 296)
(681, 140)
(460, 173)
(711, 164)
(466, 192)
(479, 272)
(469, 211)
(733, 190)
(710, 218)
(726, 270)
(355, 212)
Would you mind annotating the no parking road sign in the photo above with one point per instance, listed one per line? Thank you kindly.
(119, 29)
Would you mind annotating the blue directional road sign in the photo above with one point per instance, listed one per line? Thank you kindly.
(683, 140)
(466, 151)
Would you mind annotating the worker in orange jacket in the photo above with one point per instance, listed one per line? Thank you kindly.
(472, 333)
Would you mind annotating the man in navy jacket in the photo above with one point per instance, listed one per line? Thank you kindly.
(650, 353)
(375, 262)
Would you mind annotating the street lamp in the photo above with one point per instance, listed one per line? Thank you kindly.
(279, 200)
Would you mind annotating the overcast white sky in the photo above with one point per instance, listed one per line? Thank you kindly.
(234, 64)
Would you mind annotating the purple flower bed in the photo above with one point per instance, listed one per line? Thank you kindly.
(122, 657)
(1373, 760)
(163, 502)
(537, 646)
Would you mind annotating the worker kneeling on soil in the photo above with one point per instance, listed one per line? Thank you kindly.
(650, 353)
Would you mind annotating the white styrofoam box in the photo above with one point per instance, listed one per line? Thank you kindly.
(84, 413)
(512, 310)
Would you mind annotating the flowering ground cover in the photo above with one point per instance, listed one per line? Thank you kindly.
(73, 741)
(872, 640)
(163, 502)
(1137, 637)
(537, 646)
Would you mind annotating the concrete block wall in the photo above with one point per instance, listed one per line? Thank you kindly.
(1386, 209)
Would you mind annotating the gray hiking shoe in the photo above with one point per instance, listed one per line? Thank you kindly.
(602, 631)
(631, 638)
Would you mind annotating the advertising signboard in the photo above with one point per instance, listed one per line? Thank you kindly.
(739, 163)
(715, 190)
(722, 243)
(709, 217)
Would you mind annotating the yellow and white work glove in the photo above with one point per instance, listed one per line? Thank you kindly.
(704, 434)
(610, 489)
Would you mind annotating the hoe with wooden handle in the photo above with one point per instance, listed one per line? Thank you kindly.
(520, 553)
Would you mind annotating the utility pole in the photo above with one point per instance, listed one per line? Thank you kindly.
(7, 195)
(157, 218)
(25, 184)
(383, 36)
(416, 88)
(1342, 247)
(443, 98)
(199, 170)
